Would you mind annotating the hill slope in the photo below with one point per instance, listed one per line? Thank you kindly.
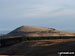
(38, 31)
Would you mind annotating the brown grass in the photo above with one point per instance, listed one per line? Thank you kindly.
(33, 47)
(50, 42)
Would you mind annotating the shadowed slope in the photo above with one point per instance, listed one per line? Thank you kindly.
(41, 47)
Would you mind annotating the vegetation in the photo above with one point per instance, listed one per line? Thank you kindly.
(47, 38)
(14, 40)
(10, 41)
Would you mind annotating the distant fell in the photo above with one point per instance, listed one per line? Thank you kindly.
(38, 31)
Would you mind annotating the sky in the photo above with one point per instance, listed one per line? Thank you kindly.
(58, 14)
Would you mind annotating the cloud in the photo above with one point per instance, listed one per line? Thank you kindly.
(40, 8)
(36, 12)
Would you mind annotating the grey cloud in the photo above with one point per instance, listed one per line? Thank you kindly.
(57, 10)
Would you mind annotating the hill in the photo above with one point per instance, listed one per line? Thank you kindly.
(38, 31)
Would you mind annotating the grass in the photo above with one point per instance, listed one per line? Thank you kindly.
(14, 40)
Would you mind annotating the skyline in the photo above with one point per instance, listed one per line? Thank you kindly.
(58, 14)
